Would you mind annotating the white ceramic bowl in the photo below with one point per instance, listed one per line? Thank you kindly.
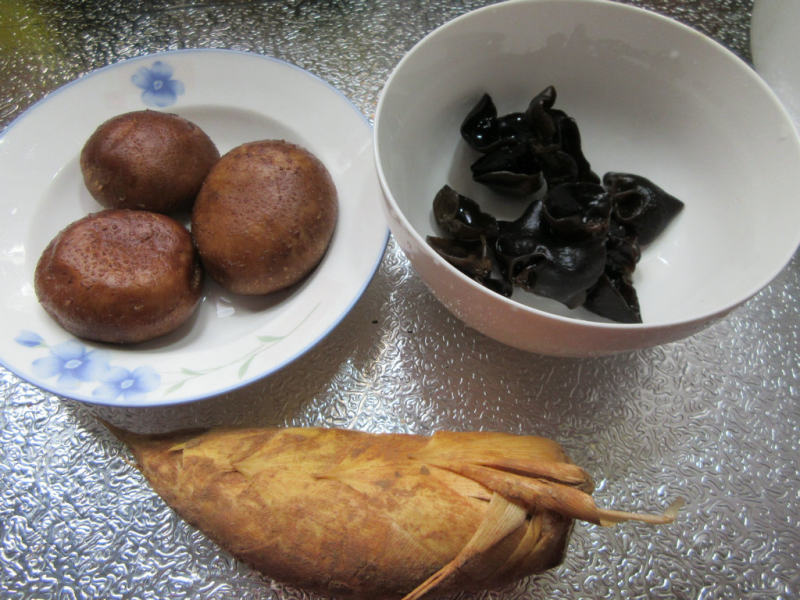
(651, 96)
(775, 45)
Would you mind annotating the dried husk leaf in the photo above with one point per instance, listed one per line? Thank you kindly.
(376, 516)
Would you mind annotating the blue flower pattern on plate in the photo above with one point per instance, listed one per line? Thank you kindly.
(30, 339)
(131, 385)
(158, 87)
(74, 365)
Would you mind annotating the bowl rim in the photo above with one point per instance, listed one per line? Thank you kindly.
(684, 323)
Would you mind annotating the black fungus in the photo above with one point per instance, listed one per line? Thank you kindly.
(570, 142)
(471, 257)
(614, 298)
(479, 128)
(640, 204)
(540, 114)
(560, 271)
(511, 168)
(523, 150)
(474, 259)
(622, 249)
(461, 217)
(534, 256)
(578, 239)
(578, 211)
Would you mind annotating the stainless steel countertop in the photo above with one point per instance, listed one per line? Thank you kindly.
(713, 418)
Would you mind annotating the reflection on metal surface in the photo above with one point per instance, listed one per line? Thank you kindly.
(713, 418)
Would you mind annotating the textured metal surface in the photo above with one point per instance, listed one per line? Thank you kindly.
(713, 418)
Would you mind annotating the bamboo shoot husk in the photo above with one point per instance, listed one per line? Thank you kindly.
(377, 516)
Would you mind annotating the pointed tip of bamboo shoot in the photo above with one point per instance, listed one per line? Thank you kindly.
(607, 517)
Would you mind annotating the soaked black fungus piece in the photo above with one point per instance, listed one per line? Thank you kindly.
(622, 249)
(562, 271)
(462, 217)
(471, 257)
(544, 100)
(640, 204)
(557, 132)
(498, 285)
(570, 143)
(540, 114)
(523, 150)
(479, 128)
(557, 167)
(615, 298)
(513, 127)
(510, 169)
(531, 255)
(518, 239)
(578, 211)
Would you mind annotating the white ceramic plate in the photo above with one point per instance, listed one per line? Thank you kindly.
(235, 97)
(775, 45)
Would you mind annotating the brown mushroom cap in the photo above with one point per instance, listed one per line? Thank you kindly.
(264, 216)
(147, 160)
(120, 276)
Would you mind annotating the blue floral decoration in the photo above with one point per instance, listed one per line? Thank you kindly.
(158, 87)
(131, 385)
(29, 339)
(74, 365)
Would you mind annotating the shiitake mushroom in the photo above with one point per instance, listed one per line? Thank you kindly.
(264, 217)
(120, 276)
(147, 160)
